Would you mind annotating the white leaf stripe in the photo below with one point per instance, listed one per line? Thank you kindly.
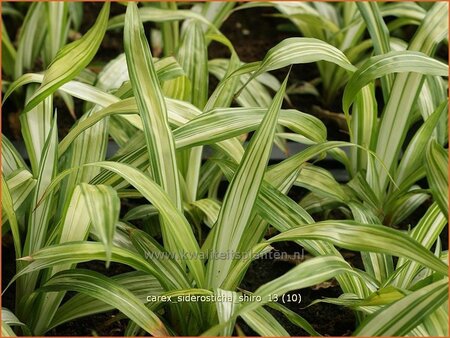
(405, 89)
(71, 59)
(426, 233)
(174, 220)
(223, 123)
(98, 286)
(284, 214)
(392, 62)
(399, 318)
(241, 195)
(80, 305)
(366, 237)
(414, 153)
(103, 206)
(151, 104)
(437, 173)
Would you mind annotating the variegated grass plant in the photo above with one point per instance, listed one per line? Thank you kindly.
(64, 208)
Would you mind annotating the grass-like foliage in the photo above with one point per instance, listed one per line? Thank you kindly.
(66, 204)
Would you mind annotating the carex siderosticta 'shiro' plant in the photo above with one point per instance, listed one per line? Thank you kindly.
(180, 137)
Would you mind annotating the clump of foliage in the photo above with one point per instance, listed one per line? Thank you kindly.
(64, 206)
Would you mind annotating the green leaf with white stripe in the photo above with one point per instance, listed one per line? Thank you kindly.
(174, 221)
(78, 252)
(9, 319)
(392, 62)
(193, 57)
(311, 272)
(103, 206)
(366, 237)
(107, 290)
(263, 323)
(241, 195)
(437, 173)
(320, 181)
(371, 13)
(223, 123)
(426, 232)
(21, 183)
(56, 15)
(82, 305)
(8, 210)
(71, 59)
(399, 318)
(229, 302)
(406, 88)
(296, 51)
(414, 154)
(151, 105)
(74, 226)
(11, 159)
(35, 127)
(38, 222)
(30, 38)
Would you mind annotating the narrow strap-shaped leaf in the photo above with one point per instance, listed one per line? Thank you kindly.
(217, 12)
(363, 124)
(296, 51)
(77, 252)
(58, 28)
(151, 104)
(379, 33)
(193, 57)
(284, 214)
(175, 222)
(140, 284)
(241, 195)
(226, 306)
(263, 323)
(437, 173)
(74, 226)
(35, 127)
(9, 319)
(8, 53)
(222, 123)
(311, 272)
(71, 59)
(366, 237)
(30, 38)
(11, 159)
(170, 31)
(38, 223)
(321, 181)
(98, 286)
(426, 232)
(399, 318)
(308, 273)
(392, 62)
(151, 250)
(405, 89)
(254, 94)
(103, 206)
(8, 209)
(21, 183)
(414, 154)
(160, 15)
